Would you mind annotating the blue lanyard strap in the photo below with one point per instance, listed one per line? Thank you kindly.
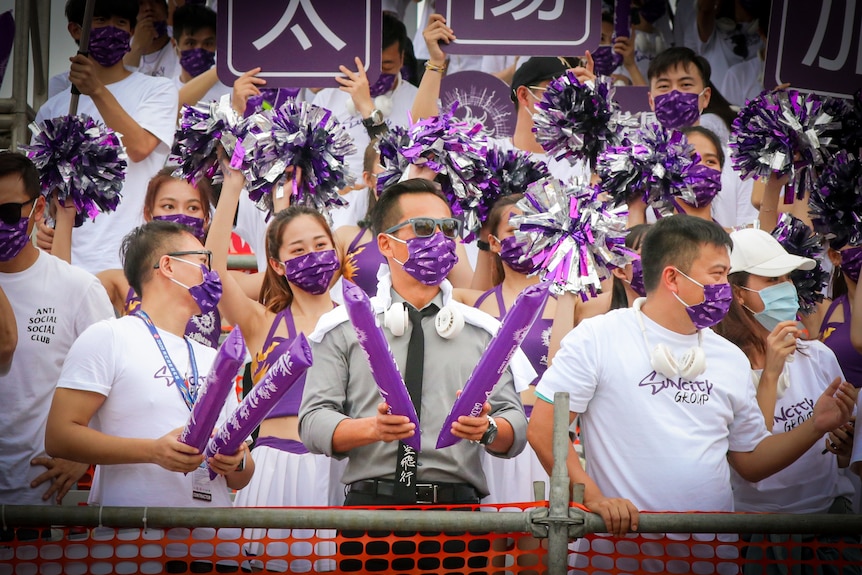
(188, 391)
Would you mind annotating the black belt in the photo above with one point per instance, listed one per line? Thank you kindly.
(426, 493)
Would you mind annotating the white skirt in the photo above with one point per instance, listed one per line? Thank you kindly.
(283, 479)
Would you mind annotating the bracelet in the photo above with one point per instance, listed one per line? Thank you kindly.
(484, 246)
(435, 67)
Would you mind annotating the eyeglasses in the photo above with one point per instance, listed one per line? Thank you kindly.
(426, 227)
(207, 253)
(11, 213)
(540, 89)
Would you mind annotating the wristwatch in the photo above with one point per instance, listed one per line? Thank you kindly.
(373, 120)
(490, 433)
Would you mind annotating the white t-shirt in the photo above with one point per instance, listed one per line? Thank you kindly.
(53, 304)
(812, 482)
(662, 443)
(119, 359)
(743, 81)
(349, 215)
(732, 205)
(162, 64)
(719, 48)
(216, 92)
(251, 226)
(335, 100)
(152, 103)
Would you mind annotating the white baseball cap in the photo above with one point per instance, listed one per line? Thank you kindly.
(757, 252)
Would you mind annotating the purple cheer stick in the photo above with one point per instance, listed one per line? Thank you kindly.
(263, 397)
(517, 322)
(390, 384)
(219, 382)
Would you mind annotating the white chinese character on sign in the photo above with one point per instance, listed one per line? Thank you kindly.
(518, 13)
(836, 63)
(297, 30)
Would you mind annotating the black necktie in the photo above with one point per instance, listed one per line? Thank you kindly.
(405, 465)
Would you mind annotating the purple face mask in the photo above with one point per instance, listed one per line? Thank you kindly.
(637, 283)
(605, 60)
(14, 237)
(108, 45)
(196, 224)
(511, 252)
(383, 84)
(677, 109)
(716, 302)
(705, 183)
(851, 262)
(429, 260)
(197, 61)
(312, 272)
(207, 293)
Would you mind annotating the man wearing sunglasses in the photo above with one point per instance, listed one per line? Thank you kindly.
(341, 413)
(51, 303)
(128, 384)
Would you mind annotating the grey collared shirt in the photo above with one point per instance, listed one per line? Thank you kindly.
(339, 385)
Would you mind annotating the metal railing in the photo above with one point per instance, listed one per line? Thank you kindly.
(558, 522)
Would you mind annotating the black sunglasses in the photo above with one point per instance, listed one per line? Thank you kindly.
(206, 253)
(11, 213)
(740, 45)
(427, 227)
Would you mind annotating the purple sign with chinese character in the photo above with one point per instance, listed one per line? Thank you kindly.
(297, 43)
(481, 98)
(815, 46)
(523, 27)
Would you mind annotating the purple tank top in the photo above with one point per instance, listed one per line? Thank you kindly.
(837, 337)
(362, 263)
(273, 347)
(205, 328)
(535, 345)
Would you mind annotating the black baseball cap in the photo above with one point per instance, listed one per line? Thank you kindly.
(538, 69)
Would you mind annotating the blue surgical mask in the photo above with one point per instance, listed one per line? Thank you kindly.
(780, 303)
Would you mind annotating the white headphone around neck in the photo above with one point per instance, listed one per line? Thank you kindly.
(691, 364)
(449, 321)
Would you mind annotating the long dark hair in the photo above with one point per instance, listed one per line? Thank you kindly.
(619, 297)
(275, 292)
(495, 217)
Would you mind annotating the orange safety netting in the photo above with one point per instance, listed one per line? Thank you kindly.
(103, 550)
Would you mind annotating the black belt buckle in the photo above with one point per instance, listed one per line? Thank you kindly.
(426, 493)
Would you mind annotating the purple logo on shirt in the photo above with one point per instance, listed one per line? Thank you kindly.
(690, 392)
(792, 415)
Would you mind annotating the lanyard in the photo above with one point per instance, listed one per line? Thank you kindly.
(188, 392)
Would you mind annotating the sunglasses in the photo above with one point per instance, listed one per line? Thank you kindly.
(207, 253)
(427, 227)
(11, 213)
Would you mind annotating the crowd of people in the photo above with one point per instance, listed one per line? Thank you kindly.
(695, 382)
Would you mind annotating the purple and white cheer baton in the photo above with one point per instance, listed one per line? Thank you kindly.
(517, 322)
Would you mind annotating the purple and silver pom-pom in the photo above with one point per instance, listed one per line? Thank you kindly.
(390, 145)
(653, 164)
(835, 205)
(849, 112)
(800, 240)
(83, 160)
(511, 172)
(456, 151)
(301, 136)
(201, 129)
(785, 133)
(575, 121)
(572, 236)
